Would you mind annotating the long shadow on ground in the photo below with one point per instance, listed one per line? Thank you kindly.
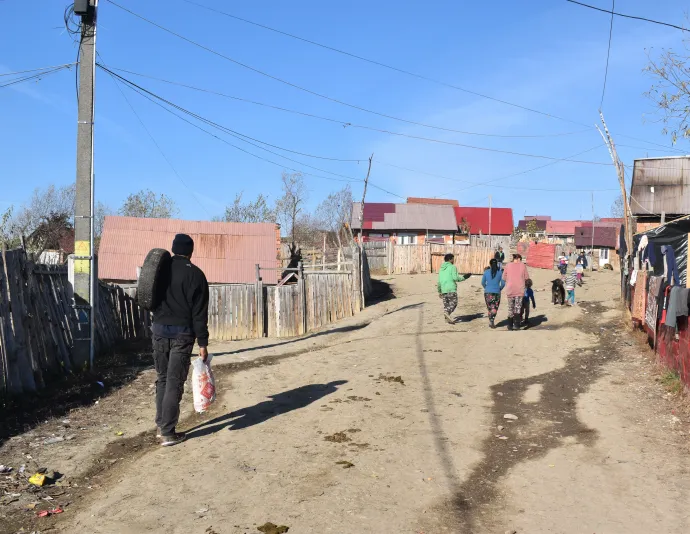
(280, 404)
(540, 428)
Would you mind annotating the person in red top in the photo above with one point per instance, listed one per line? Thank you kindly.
(515, 274)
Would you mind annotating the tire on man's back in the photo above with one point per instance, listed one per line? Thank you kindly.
(153, 278)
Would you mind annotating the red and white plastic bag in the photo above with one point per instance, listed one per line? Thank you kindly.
(203, 384)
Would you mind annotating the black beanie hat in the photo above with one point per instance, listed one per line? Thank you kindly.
(183, 245)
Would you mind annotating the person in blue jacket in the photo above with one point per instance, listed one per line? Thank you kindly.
(493, 284)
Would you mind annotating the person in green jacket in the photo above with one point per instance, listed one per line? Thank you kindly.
(448, 279)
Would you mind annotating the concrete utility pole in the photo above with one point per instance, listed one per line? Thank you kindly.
(591, 263)
(82, 267)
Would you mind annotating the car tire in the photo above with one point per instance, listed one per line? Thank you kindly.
(153, 278)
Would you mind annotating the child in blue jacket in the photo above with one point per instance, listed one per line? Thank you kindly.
(529, 296)
(493, 284)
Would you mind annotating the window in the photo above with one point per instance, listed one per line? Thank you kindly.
(379, 237)
(604, 254)
(407, 239)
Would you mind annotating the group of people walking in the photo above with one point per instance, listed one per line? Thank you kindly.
(513, 277)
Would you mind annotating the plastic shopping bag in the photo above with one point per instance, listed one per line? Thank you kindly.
(203, 384)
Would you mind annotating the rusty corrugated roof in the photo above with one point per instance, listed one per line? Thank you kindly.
(406, 217)
(433, 201)
(226, 252)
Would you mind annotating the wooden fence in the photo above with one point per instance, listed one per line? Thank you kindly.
(427, 258)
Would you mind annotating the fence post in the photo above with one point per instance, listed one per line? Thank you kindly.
(260, 311)
(302, 290)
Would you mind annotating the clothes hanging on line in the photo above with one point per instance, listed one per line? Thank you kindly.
(670, 266)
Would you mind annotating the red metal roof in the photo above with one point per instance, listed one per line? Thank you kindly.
(401, 217)
(562, 227)
(603, 237)
(478, 219)
(435, 201)
(226, 252)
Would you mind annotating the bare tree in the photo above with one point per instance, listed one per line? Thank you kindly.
(618, 207)
(54, 232)
(8, 236)
(44, 204)
(146, 204)
(251, 212)
(335, 214)
(291, 205)
(671, 92)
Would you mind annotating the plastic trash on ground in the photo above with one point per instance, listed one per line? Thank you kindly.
(37, 480)
(203, 384)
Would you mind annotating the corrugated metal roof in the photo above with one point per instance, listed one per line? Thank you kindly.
(562, 227)
(406, 217)
(603, 237)
(226, 252)
(434, 201)
(537, 217)
(669, 178)
(478, 219)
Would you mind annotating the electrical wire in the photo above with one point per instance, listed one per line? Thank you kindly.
(421, 138)
(485, 183)
(36, 77)
(326, 97)
(628, 16)
(480, 184)
(237, 147)
(329, 119)
(153, 139)
(220, 127)
(608, 54)
(295, 86)
(374, 62)
(64, 65)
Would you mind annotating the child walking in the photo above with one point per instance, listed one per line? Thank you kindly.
(447, 286)
(529, 296)
(570, 281)
(579, 269)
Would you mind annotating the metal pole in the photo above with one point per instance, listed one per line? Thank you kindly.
(489, 221)
(83, 264)
(592, 249)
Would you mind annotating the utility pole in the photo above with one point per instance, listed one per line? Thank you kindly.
(620, 170)
(82, 267)
(361, 233)
(591, 263)
(489, 221)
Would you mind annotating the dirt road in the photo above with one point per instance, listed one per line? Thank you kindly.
(395, 423)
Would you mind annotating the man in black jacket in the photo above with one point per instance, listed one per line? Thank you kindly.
(500, 257)
(180, 319)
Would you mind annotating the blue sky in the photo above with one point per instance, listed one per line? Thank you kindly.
(543, 54)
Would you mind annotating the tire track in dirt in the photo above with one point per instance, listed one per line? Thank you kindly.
(541, 427)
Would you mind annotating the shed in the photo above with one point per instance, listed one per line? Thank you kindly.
(660, 185)
(605, 241)
(226, 252)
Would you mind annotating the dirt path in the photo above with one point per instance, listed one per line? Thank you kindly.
(320, 435)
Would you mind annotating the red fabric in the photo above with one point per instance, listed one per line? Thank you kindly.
(541, 255)
(478, 219)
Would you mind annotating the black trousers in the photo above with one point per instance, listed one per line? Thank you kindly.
(172, 358)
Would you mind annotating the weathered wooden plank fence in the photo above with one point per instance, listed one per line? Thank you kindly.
(426, 258)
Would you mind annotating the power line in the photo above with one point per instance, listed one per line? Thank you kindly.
(331, 99)
(608, 54)
(295, 86)
(522, 172)
(428, 139)
(117, 84)
(237, 147)
(628, 16)
(220, 127)
(329, 119)
(64, 65)
(380, 64)
(36, 77)
(486, 183)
